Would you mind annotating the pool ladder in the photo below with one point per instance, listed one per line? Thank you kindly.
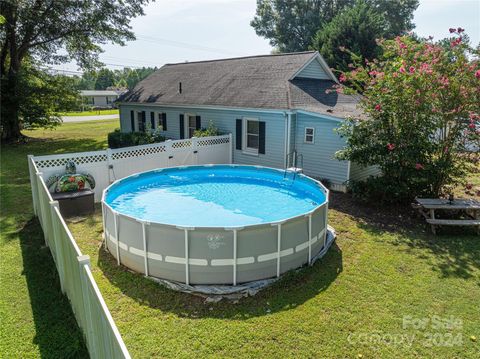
(293, 158)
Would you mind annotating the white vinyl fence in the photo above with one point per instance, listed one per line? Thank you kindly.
(109, 165)
(101, 334)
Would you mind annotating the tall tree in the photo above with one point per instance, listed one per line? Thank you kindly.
(105, 78)
(291, 25)
(40, 28)
(356, 29)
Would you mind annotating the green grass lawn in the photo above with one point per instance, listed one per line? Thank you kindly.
(385, 266)
(36, 320)
(91, 113)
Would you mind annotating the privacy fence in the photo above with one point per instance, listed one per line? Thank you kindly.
(101, 334)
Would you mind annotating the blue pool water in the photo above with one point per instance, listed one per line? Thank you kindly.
(216, 196)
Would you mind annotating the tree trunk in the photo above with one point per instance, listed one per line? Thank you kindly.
(10, 115)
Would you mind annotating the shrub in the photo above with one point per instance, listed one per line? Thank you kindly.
(211, 130)
(422, 107)
(118, 139)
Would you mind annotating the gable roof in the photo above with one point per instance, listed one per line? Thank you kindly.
(263, 82)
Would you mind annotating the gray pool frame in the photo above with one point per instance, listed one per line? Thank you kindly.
(216, 255)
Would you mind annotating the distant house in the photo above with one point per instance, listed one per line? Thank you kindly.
(99, 98)
(274, 105)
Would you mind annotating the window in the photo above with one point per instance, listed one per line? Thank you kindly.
(107, 99)
(162, 121)
(309, 135)
(252, 134)
(141, 122)
(191, 125)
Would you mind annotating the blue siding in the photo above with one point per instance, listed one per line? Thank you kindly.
(318, 158)
(224, 120)
(314, 71)
(360, 173)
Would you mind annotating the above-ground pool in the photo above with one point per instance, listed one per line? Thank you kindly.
(221, 224)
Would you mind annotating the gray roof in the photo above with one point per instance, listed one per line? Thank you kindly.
(262, 82)
(98, 93)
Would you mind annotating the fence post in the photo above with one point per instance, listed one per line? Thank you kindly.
(230, 148)
(169, 152)
(91, 340)
(33, 184)
(41, 208)
(194, 145)
(110, 165)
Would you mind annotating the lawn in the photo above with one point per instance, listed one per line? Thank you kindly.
(36, 320)
(385, 268)
(91, 113)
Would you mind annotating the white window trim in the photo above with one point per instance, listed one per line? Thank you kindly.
(186, 124)
(248, 150)
(158, 121)
(305, 135)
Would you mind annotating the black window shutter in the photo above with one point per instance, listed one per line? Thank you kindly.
(198, 124)
(182, 127)
(261, 137)
(164, 121)
(152, 119)
(238, 134)
(132, 120)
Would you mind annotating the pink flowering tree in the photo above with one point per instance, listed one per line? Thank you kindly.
(421, 102)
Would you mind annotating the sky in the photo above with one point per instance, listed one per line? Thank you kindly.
(192, 30)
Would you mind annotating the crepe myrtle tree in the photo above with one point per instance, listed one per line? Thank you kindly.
(421, 102)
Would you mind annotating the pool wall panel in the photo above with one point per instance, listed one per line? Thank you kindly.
(169, 243)
(211, 245)
(257, 242)
(294, 234)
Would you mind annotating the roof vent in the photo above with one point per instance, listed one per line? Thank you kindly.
(179, 87)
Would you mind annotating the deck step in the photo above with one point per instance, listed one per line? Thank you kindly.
(455, 222)
(295, 169)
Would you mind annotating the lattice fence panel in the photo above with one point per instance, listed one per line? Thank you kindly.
(79, 160)
(181, 144)
(138, 152)
(212, 141)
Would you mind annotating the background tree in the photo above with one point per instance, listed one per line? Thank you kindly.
(105, 78)
(44, 95)
(39, 29)
(355, 28)
(291, 25)
(422, 107)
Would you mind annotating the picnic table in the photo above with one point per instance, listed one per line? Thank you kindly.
(470, 207)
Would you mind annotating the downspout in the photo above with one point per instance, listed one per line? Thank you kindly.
(285, 153)
(289, 134)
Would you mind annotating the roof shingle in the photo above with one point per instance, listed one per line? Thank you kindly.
(250, 82)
